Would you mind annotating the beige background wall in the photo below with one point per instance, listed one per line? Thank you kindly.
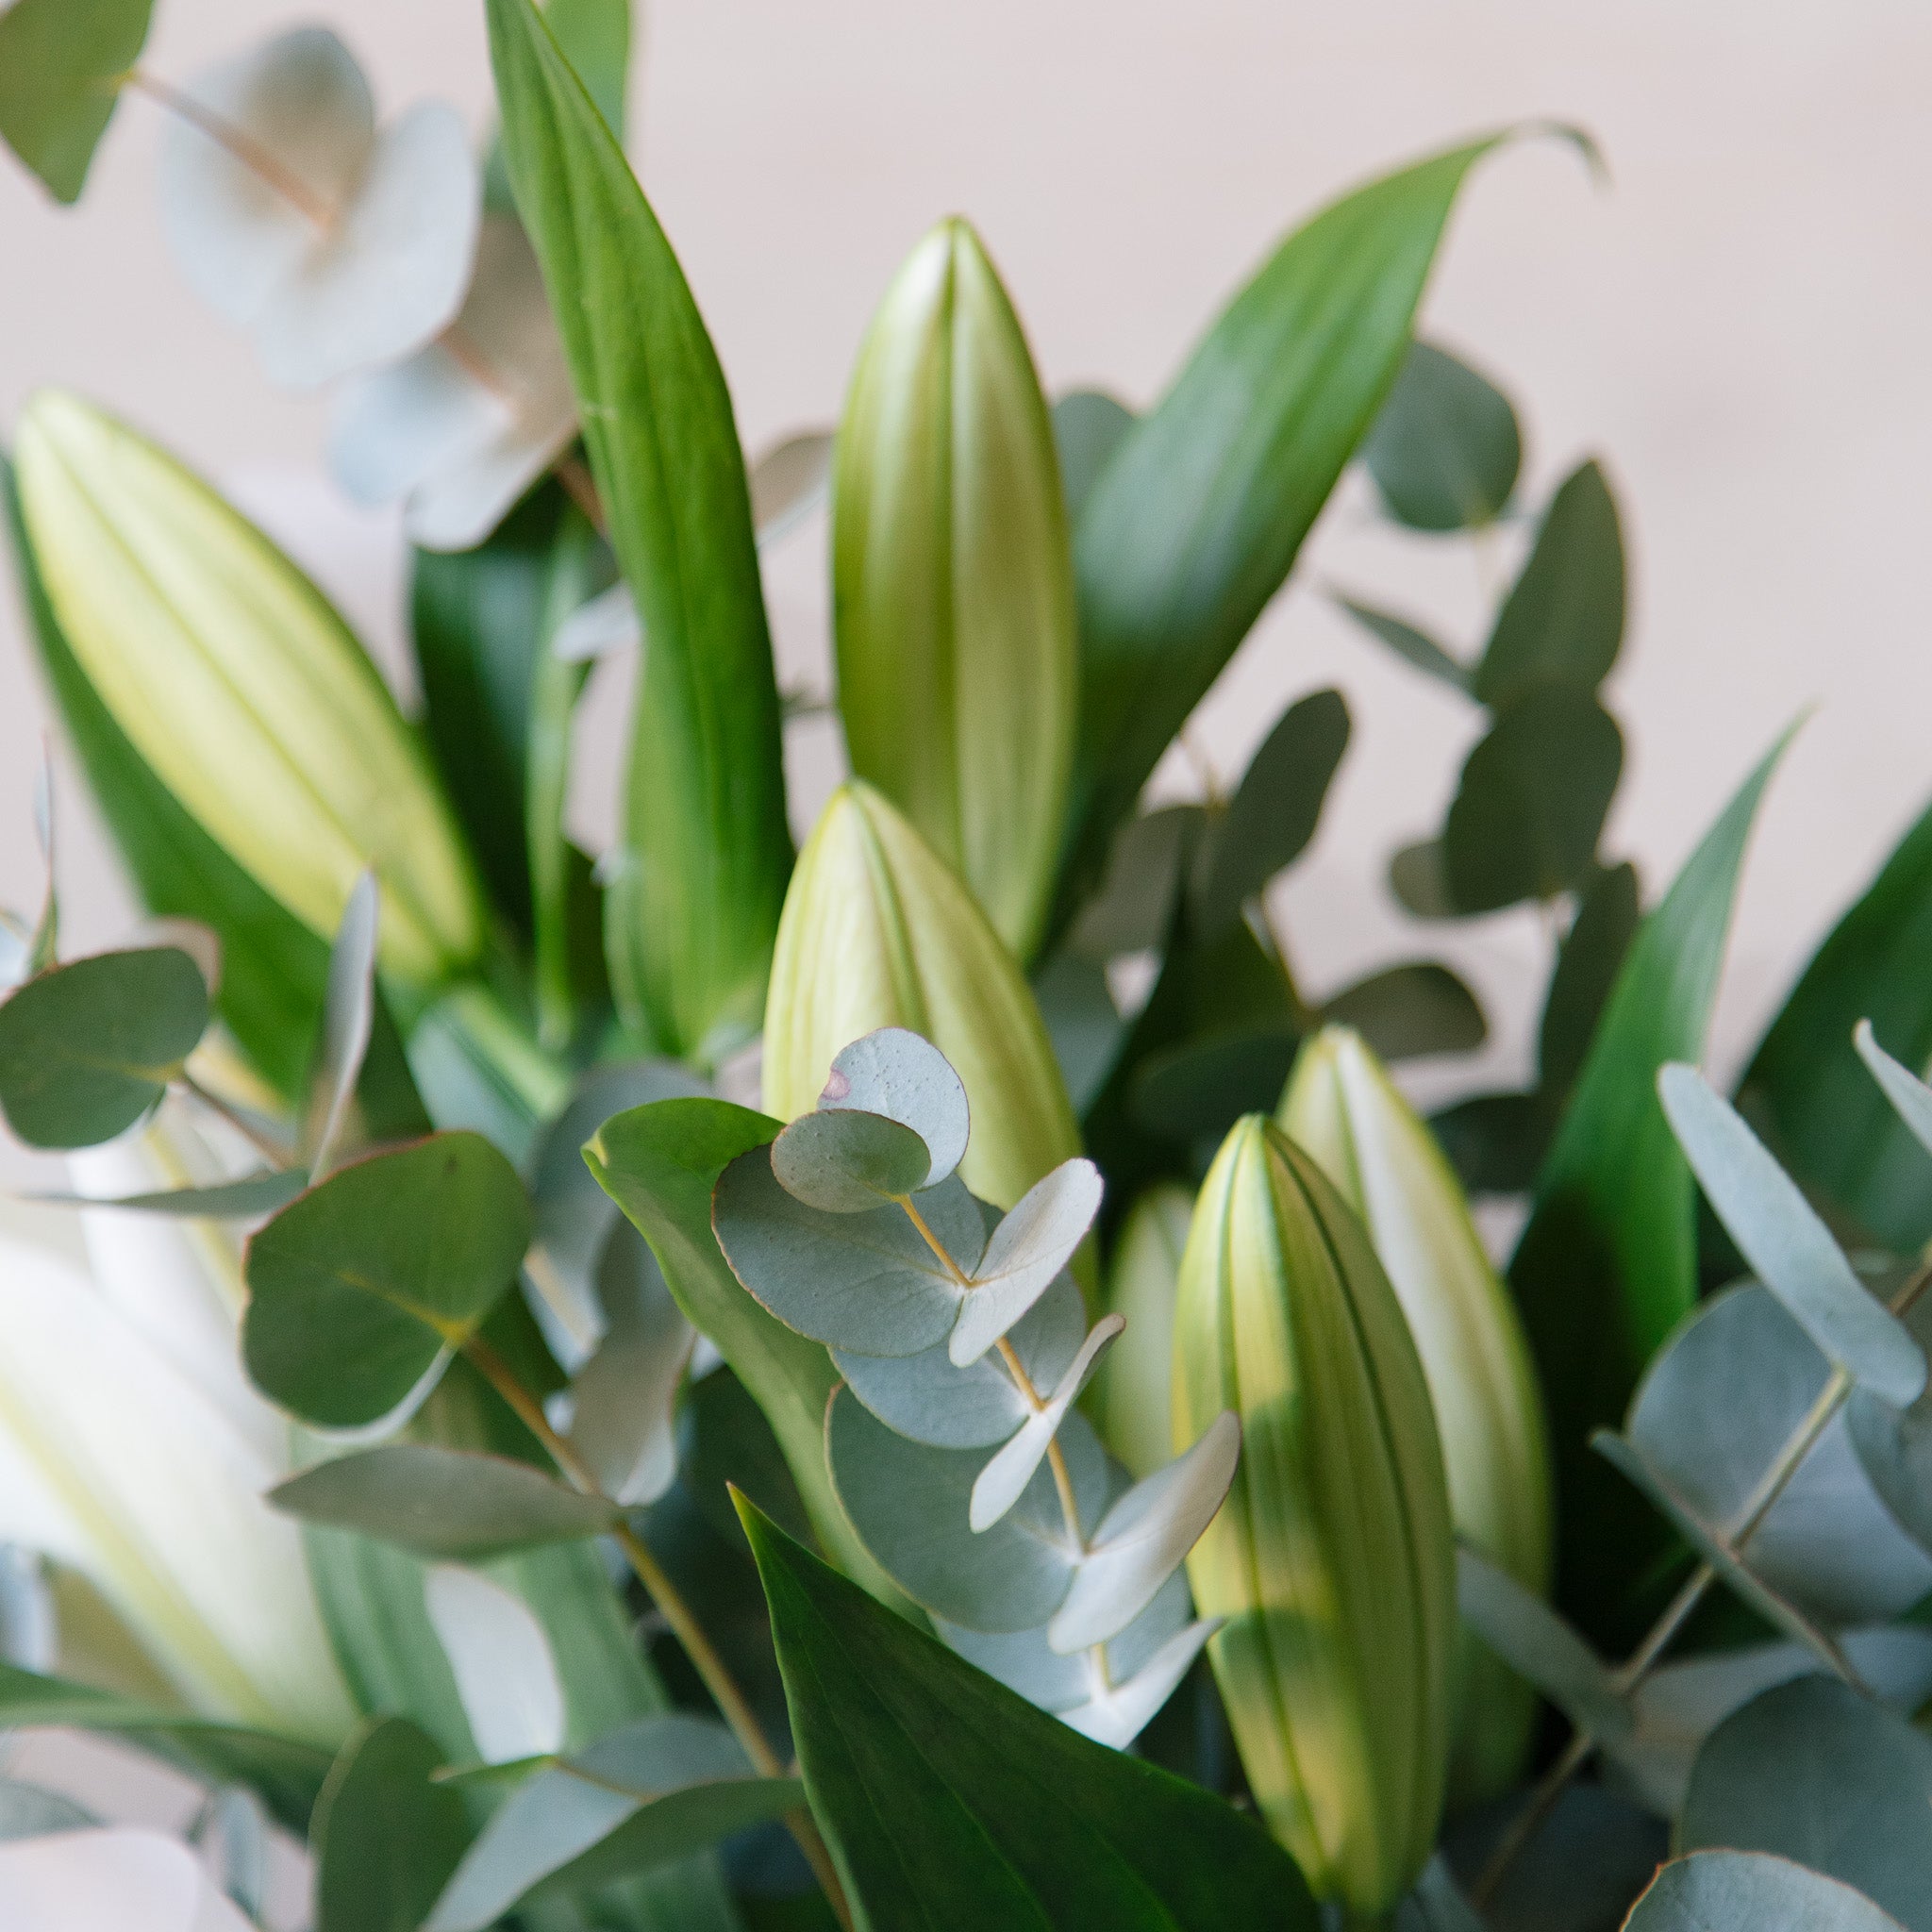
(1737, 324)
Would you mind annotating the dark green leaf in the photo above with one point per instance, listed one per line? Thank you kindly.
(1495, 1142)
(386, 1836)
(1526, 816)
(693, 906)
(1446, 450)
(1273, 813)
(1415, 647)
(950, 1802)
(1816, 1774)
(1417, 876)
(1197, 1091)
(357, 1287)
(1592, 950)
(1133, 910)
(1563, 620)
(88, 1048)
(1198, 516)
(1088, 425)
(286, 1774)
(1748, 1891)
(1407, 1010)
(1082, 1022)
(443, 1501)
(1825, 1117)
(1606, 1269)
(61, 62)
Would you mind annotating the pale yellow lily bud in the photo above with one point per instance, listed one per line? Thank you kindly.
(1332, 1560)
(878, 931)
(1132, 1404)
(241, 688)
(953, 580)
(1341, 1106)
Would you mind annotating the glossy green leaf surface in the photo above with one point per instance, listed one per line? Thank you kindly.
(1445, 449)
(385, 1835)
(357, 1287)
(1604, 1271)
(61, 67)
(88, 1048)
(949, 1802)
(1747, 1891)
(693, 906)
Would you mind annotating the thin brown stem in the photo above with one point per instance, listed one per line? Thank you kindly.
(260, 161)
(669, 1604)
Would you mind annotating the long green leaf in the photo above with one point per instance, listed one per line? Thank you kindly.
(950, 1803)
(1197, 517)
(693, 907)
(1608, 1262)
(1822, 1111)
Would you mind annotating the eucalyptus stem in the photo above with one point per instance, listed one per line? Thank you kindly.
(238, 143)
(677, 1614)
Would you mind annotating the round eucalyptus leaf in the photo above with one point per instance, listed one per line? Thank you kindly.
(1405, 1011)
(909, 1503)
(1088, 423)
(1811, 1771)
(88, 1048)
(1749, 1892)
(1715, 1407)
(356, 1286)
(904, 1076)
(1419, 878)
(1034, 1241)
(1445, 449)
(842, 1161)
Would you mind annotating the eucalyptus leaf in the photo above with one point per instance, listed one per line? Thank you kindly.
(356, 1286)
(28, 1811)
(842, 1161)
(1034, 1241)
(1419, 878)
(1083, 1023)
(239, 1826)
(905, 1077)
(1538, 1646)
(788, 482)
(1446, 450)
(385, 1835)
(88, 1048)
(1133, 910)
(348, 1016)
(953, 1804)
(1909, 1096)
(503, 1661)
(245, 1199)
(1088, 425)
(1745, 1892)
(61, 62)
(1410, 1010)
(1436, 1905)
(1006, 1474)
(1120, 1708)
(1608, 913)
(1788, 1246)
(1413, 646)
(443, 1501)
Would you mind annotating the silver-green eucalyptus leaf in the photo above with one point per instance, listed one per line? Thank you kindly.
(1910, 1098)
(843, 1161)
(348, 1013)
(901, 1075)
(1538, 1646)
(1748, 1891)
(1004, 1478)
(29, 1811)
(1446, 450)
(1118, 1708)
(1034, 1241)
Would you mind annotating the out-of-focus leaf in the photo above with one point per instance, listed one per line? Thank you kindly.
(918, 1767)
(88, 1048)
(1894, 1445)
(1273, 813)
(1595, 1854)
(1436, 1905)
(1088, 425)
(1746, 1892)
(1604, 1271)
(356, 1287)
(1607, 917)
(1536, 1642)
(348, 1020)
(1814, 1773)
(243, 1200)
(1530, 808)
(1411, 1009)
(386, 1836)
(788, 481)
(443, 1501)
(30, 1811)
(1825, 1118)
(1419, 878)
(1445, 449)
(1408, 643)
(1495, 1142)
(61, 62)
(1082, 1021)
(1563, 620)
(1133, 910)
(692, 909)
(1134, 1405)
(1197, 517)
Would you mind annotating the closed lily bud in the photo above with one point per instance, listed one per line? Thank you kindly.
(1132, 1404)
(878, 931)
(1342, 1107)
(953, 580)
(1332, 1560)
(237, 684)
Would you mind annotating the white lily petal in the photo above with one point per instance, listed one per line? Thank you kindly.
(304, 101)
(1116, 1714)
(1010, 1468)
(117, 1462)
(117, 1877)
(605, 623)
(501, 1659)
(390, 273)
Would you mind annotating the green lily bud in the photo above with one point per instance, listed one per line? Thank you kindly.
(878, 931)
(1333, 1559)
(1342, 1107)
(242, 690)
(1132, 1404)
(953, 580)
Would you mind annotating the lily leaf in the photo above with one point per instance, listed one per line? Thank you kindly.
(386, 1834)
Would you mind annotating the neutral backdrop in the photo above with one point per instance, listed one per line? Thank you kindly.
(1736, 324)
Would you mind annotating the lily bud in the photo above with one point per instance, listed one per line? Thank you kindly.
(241, 688)
(1132, 1404)
(953, 580)
(878, 931)
(1333, 1559)
(1342, 1107)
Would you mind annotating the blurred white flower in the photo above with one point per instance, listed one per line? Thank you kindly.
(118, 1877)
